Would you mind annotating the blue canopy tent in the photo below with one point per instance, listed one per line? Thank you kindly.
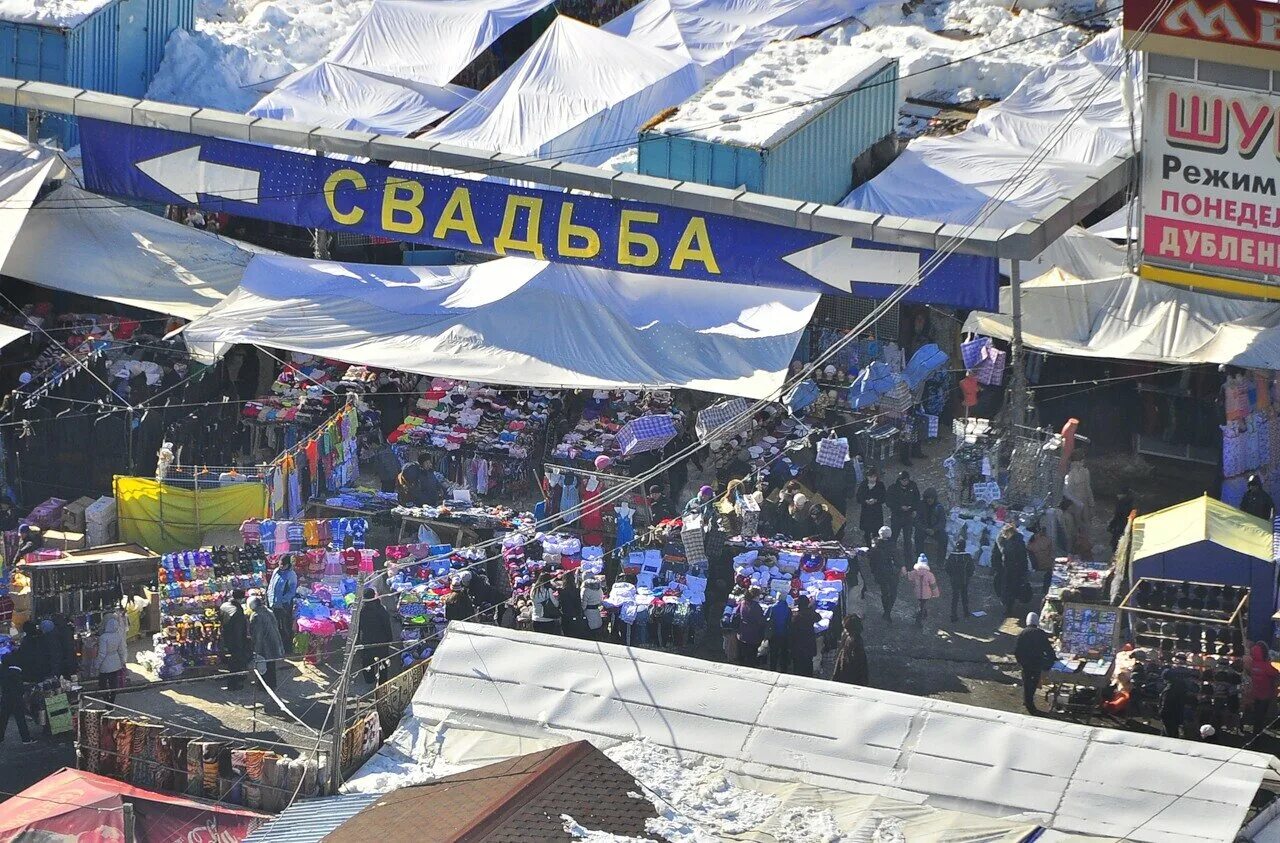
(1205, 540)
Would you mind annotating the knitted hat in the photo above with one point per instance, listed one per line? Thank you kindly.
(1033, 619)
(922, 563)
(885, 533)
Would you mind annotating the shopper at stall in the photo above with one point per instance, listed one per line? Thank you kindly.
(64, 641)
(1034, 654)
(545, 605)
(30, 539)
(375, 636)
(960, 568)
(573, 618)
(779, 625)
(1040, 550)
(592, 603)
(418, 484)
(235, 638)
(459, 604)
(52, 647)
(703, 506)
(660, 505)
(113, 655)
(33, 653)
(802, 639)
(1263, 683)
(797, 521)
(924, 585)
(904, 501)
(931, 528)
(885, 570)
(1173, 702)
(12, 697)
(1078, 487)
(264, 635)
(871, 496)
(751, 627)
(818, 523)
(851, 656)
(1009, 568)
(281, 593)
(1256, 501)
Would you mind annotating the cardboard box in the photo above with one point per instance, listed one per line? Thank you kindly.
(63, 540)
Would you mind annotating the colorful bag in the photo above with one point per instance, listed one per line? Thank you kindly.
(726, 417)
(833, 452)
(971, 350)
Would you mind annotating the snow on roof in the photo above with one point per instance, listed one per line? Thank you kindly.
(765, 98)
(773, 727)
(50, 12)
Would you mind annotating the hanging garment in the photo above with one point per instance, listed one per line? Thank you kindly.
(592, 517)
(570, 496)
(626, 530)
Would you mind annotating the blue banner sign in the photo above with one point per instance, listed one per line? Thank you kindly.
(312, 191)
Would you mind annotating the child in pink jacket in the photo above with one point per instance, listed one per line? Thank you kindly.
(925, 585)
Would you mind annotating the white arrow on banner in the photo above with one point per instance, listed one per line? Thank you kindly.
(183, 173)
(840, 264)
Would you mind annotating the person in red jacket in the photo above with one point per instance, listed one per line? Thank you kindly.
(1263, 682)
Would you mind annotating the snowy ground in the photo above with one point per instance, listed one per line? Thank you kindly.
(241, 48)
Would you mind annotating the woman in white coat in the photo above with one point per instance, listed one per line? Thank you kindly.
(113, 655)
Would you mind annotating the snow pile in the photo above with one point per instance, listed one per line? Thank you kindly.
(778, 88)
(241, 48)
(49, 12)
(912, 39)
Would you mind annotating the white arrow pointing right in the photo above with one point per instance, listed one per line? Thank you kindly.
(840, 264)
(183, 173)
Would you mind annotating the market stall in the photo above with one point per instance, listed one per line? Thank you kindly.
(83, 582)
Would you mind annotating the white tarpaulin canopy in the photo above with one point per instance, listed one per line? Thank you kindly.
(10, 334)
(87, 244)
(517, 322)
(1127, 318)
(951, 179)
(428, 41)
(338, 97)
(578, 93)
(718, 34)
(838, 738)
(23, 171)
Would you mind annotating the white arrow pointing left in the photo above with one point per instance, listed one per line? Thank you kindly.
(840, 264)
(183, 173)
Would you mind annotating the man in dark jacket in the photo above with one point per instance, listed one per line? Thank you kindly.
(904, 502)
(779, 620)
(235, 638)
(573, 618)
(871, 495)
(1034, 654)
(418, 484)
(751, 627)
(803, 638)
(1010, 568)
(960, 567)
(885, 570)
(374, 638)
(931, 528)
(1173, 702)
(33, 653)
(1256, 501)
(12, 701)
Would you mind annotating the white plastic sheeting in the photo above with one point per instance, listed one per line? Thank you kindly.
(428, 41)
(1116, 226)
(780, 728)
(718, 34)
(1127, 318)
(23, 171)
(87, 244)
(338, 97)
(579, 94)
(952, 179)
(10, 334)
(1077, 252)
(518, 322)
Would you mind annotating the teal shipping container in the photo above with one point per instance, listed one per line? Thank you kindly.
(113, 46)
(789, 121)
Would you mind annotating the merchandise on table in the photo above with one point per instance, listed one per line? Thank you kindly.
(785, 570)
(363, 500)
(596, 433)
(1078, 580)
(478, 419)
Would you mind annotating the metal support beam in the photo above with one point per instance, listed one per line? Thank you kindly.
(33, 126)
(1023, 242)
(1017, 354)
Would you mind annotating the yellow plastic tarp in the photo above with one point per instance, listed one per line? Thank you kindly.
(1201, 519)
(167, 518)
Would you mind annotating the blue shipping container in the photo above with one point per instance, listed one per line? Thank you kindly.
(812, 162)
(117, 50)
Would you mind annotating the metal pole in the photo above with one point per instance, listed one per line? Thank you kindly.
(33, 125)
(340, 701)
(1017, 362)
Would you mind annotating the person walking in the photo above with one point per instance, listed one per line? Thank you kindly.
(1173, 703)
(960, 568)
(804, 638)
(779, 626)
(1009, 562)
(1034, 655)
(904, 501)
(592, 603)
(851, 657)
(235, 638)
(375, 637)
(264, 634)
(931, 528)
(12, 698)
(885, 570)
(113, 655)
(751, 627)
(1040, 553)
(871, 496)
(1263, 681)
(925, 587)
(280, 596)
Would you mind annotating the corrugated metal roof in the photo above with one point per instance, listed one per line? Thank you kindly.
(309, 821)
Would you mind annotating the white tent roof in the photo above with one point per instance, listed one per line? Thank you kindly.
(428, 41)
(24, 168)
(10, 334)
(338, 97)
(848, 739)
(578, 92)
(87, 244)
(517, 321)
(951, 179)
(1127, 318)
(717, 34)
